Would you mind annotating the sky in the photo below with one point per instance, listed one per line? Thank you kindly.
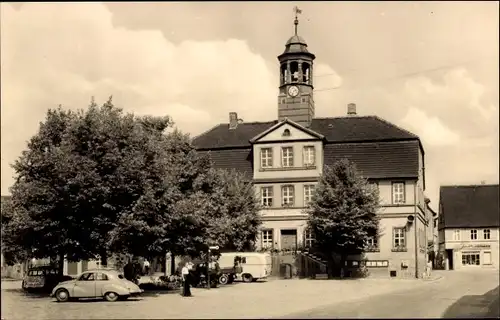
(429, 67)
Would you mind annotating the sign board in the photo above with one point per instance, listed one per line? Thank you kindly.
(479, 245)
(213, 248)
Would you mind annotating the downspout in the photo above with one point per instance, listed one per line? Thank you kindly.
(415, 226)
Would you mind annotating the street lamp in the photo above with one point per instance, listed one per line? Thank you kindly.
(208, 263)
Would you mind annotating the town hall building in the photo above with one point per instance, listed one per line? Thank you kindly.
(285, 158)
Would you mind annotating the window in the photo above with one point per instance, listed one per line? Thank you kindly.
(287, 157)
(309, 156)
(486, 234)
(398, 192)
(308, 238)
(308, 192)
(470, 258)
(473, 234)
(286, 133)
(266, 158)
(399, 237)
(267, 239)
(267, 196)
(372, 244)
(102, 277)
(456, 235)
(87, 277)
(287, 198)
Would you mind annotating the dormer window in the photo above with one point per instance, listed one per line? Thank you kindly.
(286, 133)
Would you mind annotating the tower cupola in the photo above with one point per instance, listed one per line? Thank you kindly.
(295, 98)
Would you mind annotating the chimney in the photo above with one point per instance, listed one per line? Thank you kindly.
(233, 120)
(351, 109)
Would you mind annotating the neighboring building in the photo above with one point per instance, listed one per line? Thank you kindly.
(469, 226)
(285, 159)
(432, 230)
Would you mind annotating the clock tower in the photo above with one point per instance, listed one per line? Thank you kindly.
(295, 98)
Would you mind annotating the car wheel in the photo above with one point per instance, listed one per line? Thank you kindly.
(223, 279)
(247, 277)
(111, 296)
(62, 295)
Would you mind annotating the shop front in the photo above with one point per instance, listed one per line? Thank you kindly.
(472, 255)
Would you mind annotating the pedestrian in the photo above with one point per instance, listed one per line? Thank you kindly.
(429, 268)
(128, 271)
(186, 292)
(146, 267)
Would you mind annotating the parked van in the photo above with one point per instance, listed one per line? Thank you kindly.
(249, 266)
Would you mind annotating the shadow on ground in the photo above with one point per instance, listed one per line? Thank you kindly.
(480, 306)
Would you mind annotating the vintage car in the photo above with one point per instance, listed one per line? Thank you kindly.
(107, 283)
(42, 278)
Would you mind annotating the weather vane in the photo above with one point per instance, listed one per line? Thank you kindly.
(296, 22)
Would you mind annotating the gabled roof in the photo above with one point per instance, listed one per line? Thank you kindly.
(341, 129)
(238, 159)
(280, 124)
(377, 160)
(469, 206)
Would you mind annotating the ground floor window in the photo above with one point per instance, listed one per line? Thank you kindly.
(308, 238)
(267, 239)
(470, 259)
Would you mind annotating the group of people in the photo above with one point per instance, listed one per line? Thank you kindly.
(133, 269)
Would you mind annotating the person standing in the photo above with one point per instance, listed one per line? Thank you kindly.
(146, 267)
(186, 292)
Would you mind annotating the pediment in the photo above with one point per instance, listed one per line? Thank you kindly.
(286, 130)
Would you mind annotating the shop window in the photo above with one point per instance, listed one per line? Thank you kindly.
(470, 259)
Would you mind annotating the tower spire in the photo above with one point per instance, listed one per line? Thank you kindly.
(296, 21)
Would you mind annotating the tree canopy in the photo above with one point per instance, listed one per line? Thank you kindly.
(97, 181)
(343, 211)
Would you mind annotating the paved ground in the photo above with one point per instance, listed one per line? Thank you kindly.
(271, 299)
(241, 300)
(460, 294)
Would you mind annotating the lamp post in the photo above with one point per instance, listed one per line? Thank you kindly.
(208, 263)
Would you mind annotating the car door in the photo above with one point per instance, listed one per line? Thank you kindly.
(85, 286)
(101, 282)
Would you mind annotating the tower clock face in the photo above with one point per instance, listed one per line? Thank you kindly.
(293, 91)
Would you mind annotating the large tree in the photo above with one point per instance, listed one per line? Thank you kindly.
(79, 172)
(167, 217)
(194, 207)
(232, 210)
(343, 211)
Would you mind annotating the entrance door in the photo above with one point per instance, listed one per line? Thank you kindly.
(449, 254)
(288, 239)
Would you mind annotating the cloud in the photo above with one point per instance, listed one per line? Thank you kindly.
(430, 129)
(64, 53)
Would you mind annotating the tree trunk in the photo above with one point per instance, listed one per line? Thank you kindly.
(104, 259)
(343, 259)
(60, 265)
(172, 264)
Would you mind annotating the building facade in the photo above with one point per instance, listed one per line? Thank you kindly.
(285, 159)
(469, 226)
